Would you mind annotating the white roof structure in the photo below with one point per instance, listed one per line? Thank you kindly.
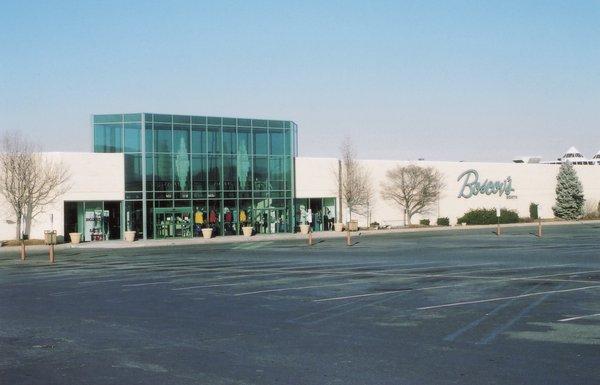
(597, 156)
(572, 152)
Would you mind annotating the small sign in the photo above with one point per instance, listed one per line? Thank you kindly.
(498, 212)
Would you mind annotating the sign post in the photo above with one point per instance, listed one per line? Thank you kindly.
(539, 234)
(498, 217)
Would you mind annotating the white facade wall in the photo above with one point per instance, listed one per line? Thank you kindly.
(93, 177)
(531, 183)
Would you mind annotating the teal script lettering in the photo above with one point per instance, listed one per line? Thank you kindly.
(471, 186)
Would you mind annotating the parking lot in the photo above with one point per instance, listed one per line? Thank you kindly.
(456, 307)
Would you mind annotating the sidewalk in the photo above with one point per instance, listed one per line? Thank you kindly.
(118, 244)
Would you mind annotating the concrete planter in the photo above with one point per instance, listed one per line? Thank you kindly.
(130, 236)
(304, 229)
(338, 226)
(207, 233)
(75, 237)
(247, 231)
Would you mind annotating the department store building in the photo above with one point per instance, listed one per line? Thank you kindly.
(168, 176)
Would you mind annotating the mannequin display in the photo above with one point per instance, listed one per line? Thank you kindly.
(198, 221)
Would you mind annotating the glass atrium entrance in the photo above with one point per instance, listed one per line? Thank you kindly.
(173, 223)
(183, 171)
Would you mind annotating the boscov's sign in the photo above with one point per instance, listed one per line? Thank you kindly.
(471, 185)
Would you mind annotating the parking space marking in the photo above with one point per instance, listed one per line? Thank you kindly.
(452, 336)
(579, 317)
(502, 328)
(294, 288)
(146, 284)
(507, 298)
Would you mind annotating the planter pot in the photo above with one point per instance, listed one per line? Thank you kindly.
(130, 236)
(304, 229)
(247, 231)
(75, 237)
(207, 233)
(338, 226)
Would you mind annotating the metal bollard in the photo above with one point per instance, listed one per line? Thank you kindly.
(23, 252)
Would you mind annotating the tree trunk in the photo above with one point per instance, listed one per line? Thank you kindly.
(408, 218)
(28, 219)
(18, 235)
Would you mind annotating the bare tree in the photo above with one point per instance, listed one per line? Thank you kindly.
(413, 188)
(29, 181)
(353, 180)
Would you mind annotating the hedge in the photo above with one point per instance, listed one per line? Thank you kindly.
(488, 217)
(424, 222)
(443, 221)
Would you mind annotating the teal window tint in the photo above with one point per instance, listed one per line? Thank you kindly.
(286, 124)
(244, 122)
(163, 203)
(162, 118)
(213, 120)
(149, 172)
(163, 172)
(181, 168)
(181, 139)
(132, 118)
(287, 168)
(275, 124)
(133, 172)
(199, 139)
(108, 118)
(289, 143)
(198, 119)
(277, 142)
(181, 119)
(163, 138)
(149, 138)
(229, 173)
(107, 137)
(261, 141)
(259, 123)
(229, 121)
(276, 173)
(214, 172)
(214, 140)
(229, 141)
(199, 172)
(133, 140)
(244, 141)
(244, 172)
(261, 173)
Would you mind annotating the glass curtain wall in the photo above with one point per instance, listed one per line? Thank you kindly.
(228, 172)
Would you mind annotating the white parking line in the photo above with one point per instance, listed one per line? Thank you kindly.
(580, 317)
(509, 297)
(294, 288)
(146, 284)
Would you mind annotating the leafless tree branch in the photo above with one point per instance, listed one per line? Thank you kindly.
(413, 188)
(29, 181)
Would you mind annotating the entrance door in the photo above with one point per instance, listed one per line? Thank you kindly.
(173, 222)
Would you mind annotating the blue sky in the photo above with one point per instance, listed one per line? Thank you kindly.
(442, 80)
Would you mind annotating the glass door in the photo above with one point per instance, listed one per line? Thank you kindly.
(173, 223)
